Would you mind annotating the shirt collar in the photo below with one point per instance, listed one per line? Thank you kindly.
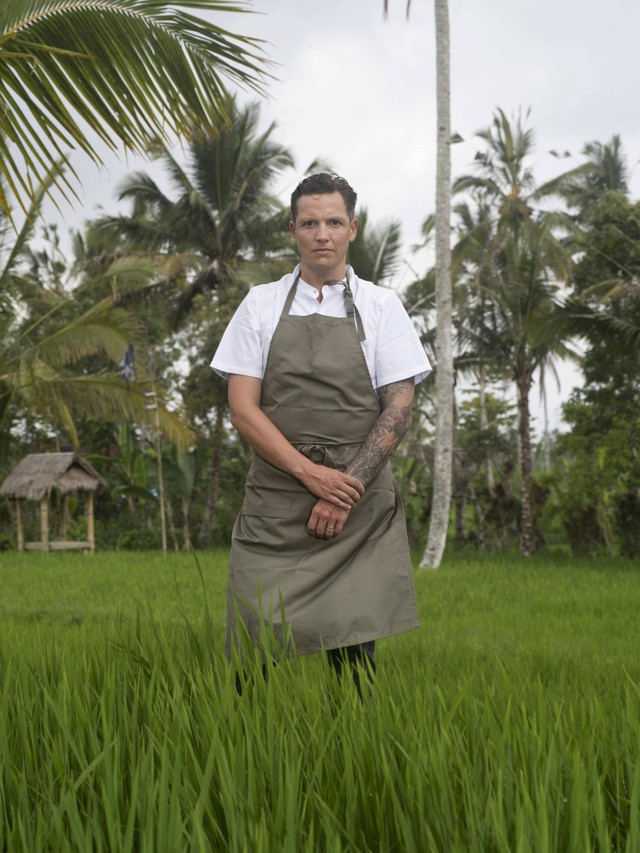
(351, 277)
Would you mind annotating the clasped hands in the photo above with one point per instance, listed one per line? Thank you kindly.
(337, 494)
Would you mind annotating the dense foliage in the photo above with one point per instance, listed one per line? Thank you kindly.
(541, 273)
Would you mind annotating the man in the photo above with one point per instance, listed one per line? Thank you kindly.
(322, 369)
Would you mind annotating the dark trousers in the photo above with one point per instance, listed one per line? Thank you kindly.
(359, 658)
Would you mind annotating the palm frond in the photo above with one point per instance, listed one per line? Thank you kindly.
(59, 397)
(130, 71)
(375, 252)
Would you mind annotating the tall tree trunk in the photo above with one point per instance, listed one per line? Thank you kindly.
(443, 451)
(484, 425)
(206, 531)
(460, 484)
(461, 515)
(480, 523)
(172, 526)
(546, 440)
(186, 524)
(527, 540)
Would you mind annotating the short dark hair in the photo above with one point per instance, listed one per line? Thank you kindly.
(321, 183)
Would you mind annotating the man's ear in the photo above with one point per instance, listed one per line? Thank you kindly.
(354, 230)
(292, 229)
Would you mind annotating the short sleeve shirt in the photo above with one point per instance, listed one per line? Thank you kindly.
(392, 348)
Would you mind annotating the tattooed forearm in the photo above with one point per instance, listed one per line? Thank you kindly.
(396, 402)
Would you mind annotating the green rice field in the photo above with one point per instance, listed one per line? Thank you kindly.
(509, 722)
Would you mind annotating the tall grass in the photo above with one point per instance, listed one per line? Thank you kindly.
(509, 722)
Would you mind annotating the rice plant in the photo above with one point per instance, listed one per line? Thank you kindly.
(509, 722)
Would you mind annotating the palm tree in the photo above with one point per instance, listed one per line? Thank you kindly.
(474, 238)
(510, 323)
(48, 349)
(605, 170)
(220, 229)
(443, 450)
(223, 215)
(502, 174)
(124, 71)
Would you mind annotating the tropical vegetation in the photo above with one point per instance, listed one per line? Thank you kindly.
(540, 273)
(533, 285)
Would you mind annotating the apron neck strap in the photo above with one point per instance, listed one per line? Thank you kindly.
(290, 296)
(351, 308)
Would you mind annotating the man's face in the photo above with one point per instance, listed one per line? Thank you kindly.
(322, 231)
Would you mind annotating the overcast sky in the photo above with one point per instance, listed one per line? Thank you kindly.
(359, 91)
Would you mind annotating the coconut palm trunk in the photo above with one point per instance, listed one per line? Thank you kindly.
(443, 453)
(484, 425)
(527, 543)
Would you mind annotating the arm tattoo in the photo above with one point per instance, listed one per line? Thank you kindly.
(396, 402)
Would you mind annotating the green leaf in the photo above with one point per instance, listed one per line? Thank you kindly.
(128, 71)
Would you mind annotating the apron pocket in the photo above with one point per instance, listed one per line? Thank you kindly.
(269, 491)
(267, 503)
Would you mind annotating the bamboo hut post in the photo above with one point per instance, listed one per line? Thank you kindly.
(19, 525)
(91, 536)
(44, 523)
(64, 517)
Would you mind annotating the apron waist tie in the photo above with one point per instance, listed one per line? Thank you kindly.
(318, 453)
(321, 453)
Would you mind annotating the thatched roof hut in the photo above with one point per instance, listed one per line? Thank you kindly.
(40, 474)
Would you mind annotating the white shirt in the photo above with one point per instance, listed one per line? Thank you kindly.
(392, 348)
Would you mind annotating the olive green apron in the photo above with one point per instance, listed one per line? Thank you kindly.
(333, 593)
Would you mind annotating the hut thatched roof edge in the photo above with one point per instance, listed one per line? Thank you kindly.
(39, 474)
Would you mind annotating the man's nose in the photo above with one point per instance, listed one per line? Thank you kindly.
(322, 233)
